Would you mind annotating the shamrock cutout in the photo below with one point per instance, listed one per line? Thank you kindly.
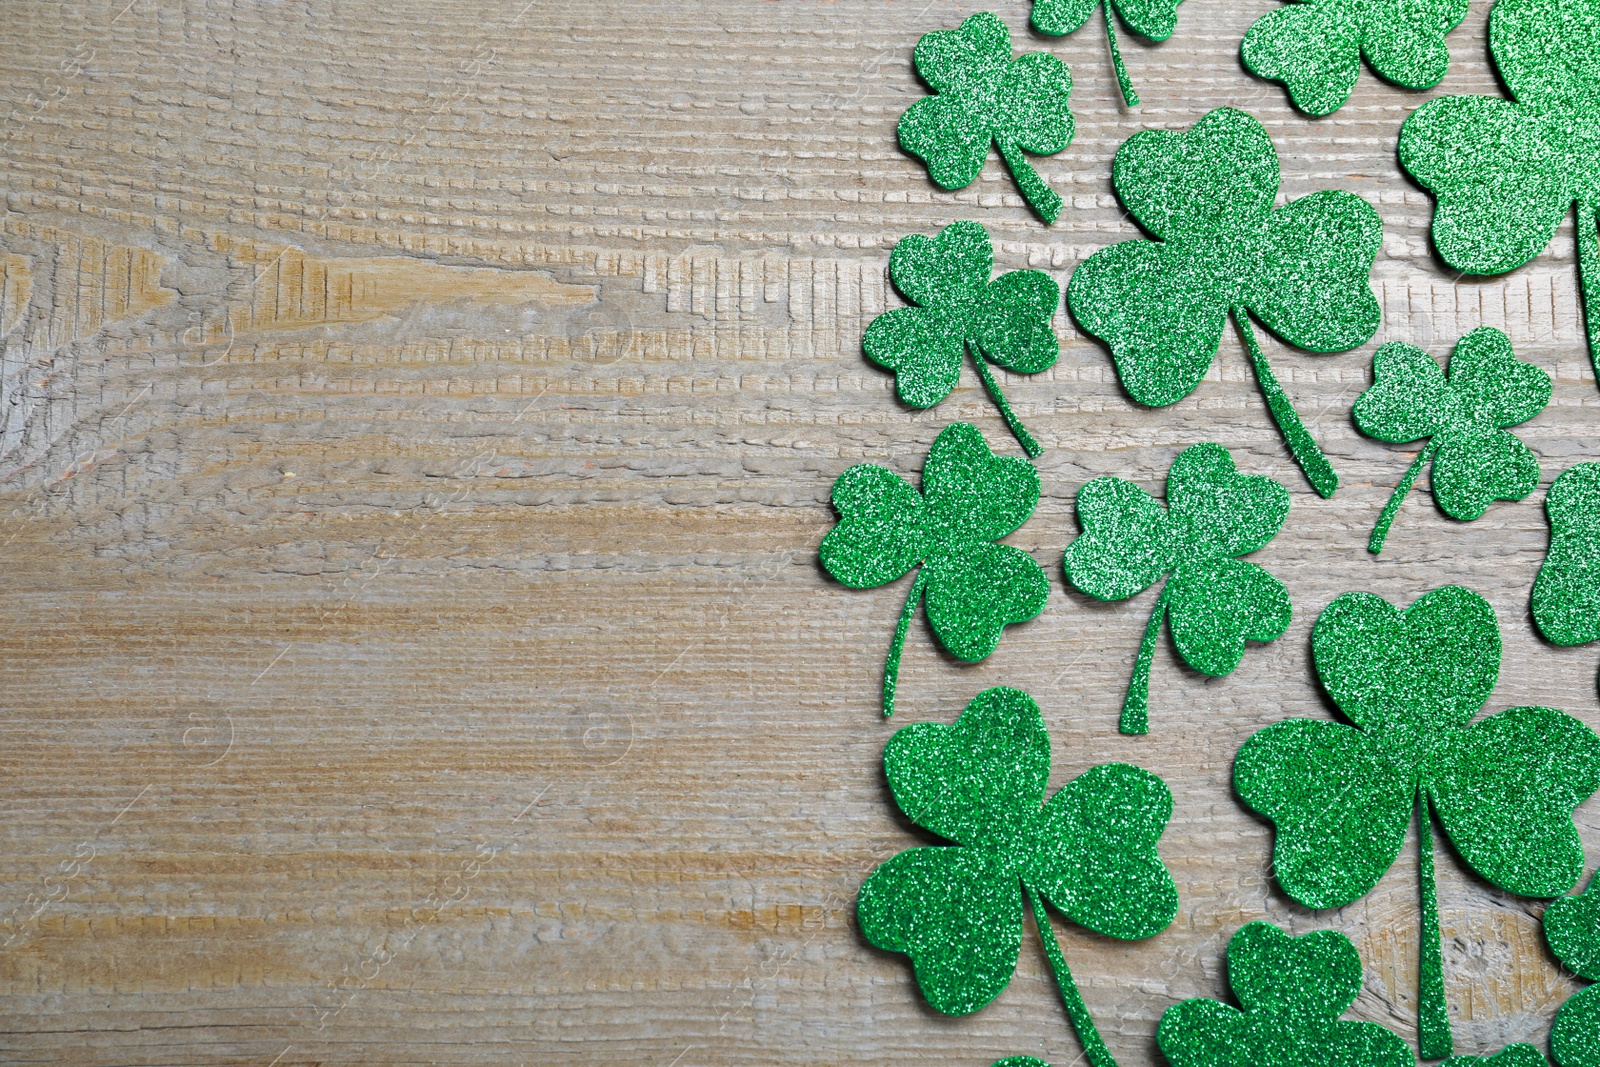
(1341, 795)
(982, 96)
(1292, 990)
(1518, 1055)
(1006, 321)
(957, 910)
(1475, 460)
(1221, 248)
(970, 499)
(1504, 172)
(1214, 602)
(1314, 47)
(1572, 929)
(1566, 595)
(1154, 20)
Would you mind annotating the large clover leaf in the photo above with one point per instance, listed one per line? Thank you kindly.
(1213, 601)
(1504, 172)
(1572, 928)
(1292, 991)
(1154, 20)
(1221, 248)
(981, 97)
(957, 910)
(1566, 595)
(970, 499)
(1464, 416)
(1341, 796)
(1314, 47)
(1004, 321)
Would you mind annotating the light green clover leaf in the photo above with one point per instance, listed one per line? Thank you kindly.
(1221, 248)
(1292, 991)
(1314, 47)
(957, 308)
(970, 499)
(1504, 172)
(1341, 796)
(1572, 929)
(1566, 595)
(981, 97)
(1154, 20)
(1464, 416)
(957, 910)
(1213, 601)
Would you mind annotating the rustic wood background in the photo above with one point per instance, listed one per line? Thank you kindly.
(417, 430)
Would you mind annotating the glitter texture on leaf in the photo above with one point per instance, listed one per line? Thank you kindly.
(1566, 595)
(1572, 929)
(1518, 1055)
(1154, 20)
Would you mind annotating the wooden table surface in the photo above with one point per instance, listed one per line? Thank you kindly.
(418, 425)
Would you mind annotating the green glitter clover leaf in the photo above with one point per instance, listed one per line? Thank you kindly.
(1213, 601)
(957, 910)
(1464, 416)
(982, 96)
(1154, 20)
(1504, 172)
(1220, 249)
(1566, 595)
(1341, 796)
(970, 499)
(1292, 990)
(1572, 929)
(1519, 1055)
(1314, 47)
(957, 308)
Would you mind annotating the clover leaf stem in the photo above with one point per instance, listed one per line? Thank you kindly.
(1019, 431)
(1129, 97)
(1392, 508)
(1071, 999)
(1318, 471)
(1433, 1015)
(1136, 705)
(1043, 199)
(891, 666)
(1588, 227)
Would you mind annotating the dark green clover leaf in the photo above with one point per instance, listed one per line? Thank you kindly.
(981, 97)
(1213, 601)
(1566, 595)
(1314, 47)
(1220, 247)
(1292, 991)
(1475, 461)
(1154, 20)
(957, 911)
(1518, 1055)
(1004, 321)
(1504, 172)
(970, 499)
(1572, 928)
(1341, 796)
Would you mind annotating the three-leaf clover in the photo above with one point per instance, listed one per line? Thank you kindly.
(982, 96)
(1572, 929)
(1464, 416)
(1504, 172)
(1341, 796)
(1213, 601)
(970, 499)
(1221, 248)
(1292, 991)
(957, 910)
(1314, 47)
(1006, 321)
(1566, 595)
(1154, 20)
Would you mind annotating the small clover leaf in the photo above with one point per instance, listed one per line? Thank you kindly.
(1341, 795)
(1222, 249)
(1154, 20)
(1566, 595)
(1005, 321)
(982, 96)
(1572, 928)
(957, 910)
(1518, 1055)
(1212, 601)
(1314, 47)
(1464, 416)
(970, 499)
(1504, 172)
(1292, 991)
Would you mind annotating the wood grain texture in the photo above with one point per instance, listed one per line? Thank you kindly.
(417, 428)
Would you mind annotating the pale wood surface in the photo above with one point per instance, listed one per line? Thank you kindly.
(417, 427)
